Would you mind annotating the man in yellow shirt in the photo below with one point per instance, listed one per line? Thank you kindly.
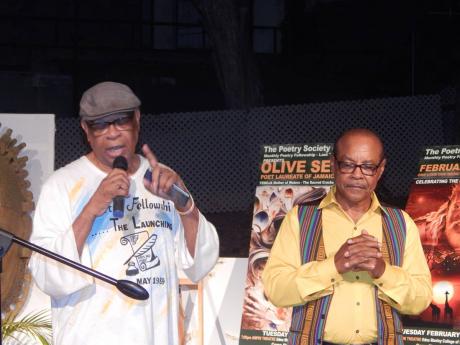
(349, 266)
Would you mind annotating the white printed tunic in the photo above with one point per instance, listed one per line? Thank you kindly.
(146, 246)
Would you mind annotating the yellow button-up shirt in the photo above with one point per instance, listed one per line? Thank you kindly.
(352, 314)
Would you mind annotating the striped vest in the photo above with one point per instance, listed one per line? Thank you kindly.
(308, 321)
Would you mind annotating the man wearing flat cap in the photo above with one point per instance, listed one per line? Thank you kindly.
(155, 233)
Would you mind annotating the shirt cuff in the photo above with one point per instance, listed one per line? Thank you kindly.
(387, 281)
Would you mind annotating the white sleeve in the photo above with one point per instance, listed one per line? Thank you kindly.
(52, 230)
(206, 251)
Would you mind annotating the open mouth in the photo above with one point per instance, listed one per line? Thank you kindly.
(115, 150)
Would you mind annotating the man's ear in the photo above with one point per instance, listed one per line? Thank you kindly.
(137, 116)
(85, 128)
(382, 167)
(333, 164)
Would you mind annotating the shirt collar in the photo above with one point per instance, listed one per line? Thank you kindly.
(330, 199)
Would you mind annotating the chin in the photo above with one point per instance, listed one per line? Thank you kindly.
(357, 196)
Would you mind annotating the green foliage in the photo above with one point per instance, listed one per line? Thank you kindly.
(34, 325)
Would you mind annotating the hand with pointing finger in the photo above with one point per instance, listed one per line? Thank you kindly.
(163, 178)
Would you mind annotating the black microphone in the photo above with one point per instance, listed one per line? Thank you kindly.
(119, 162)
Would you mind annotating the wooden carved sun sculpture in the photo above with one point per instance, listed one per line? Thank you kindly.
(16, 203)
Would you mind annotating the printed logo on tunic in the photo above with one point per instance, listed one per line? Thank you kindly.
(143, 257)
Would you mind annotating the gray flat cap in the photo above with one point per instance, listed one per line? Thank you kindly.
(105, 99)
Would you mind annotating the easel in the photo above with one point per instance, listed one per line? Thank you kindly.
(199, 287)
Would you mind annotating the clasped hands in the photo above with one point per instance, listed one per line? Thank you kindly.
(361, 253)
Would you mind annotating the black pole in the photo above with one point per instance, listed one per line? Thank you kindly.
(127, 287)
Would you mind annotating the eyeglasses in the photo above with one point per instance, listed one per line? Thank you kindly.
(366, 169)
(123, 123)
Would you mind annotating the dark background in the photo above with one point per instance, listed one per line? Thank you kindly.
(303, 50)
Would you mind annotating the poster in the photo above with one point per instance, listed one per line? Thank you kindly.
(289, 174)
(434, 204)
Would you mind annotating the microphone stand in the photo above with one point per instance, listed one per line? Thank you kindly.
(127, 287)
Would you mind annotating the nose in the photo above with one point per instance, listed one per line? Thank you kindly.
(357, 173)
(112, 131)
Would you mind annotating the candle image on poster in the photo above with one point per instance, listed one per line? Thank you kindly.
(434, 204)
(290, 174)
